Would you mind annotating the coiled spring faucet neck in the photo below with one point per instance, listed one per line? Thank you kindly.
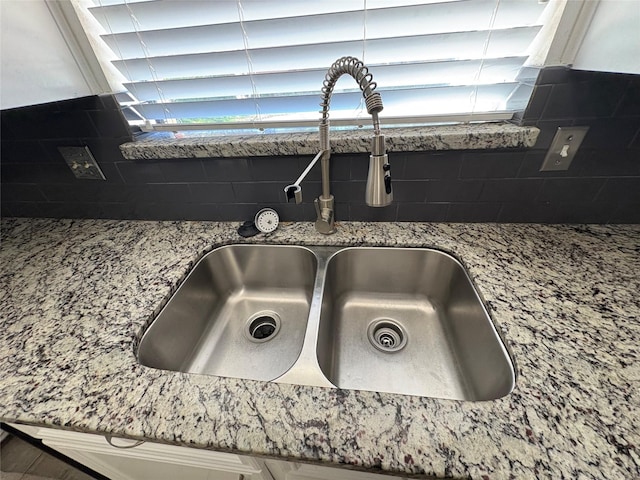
(356, 69)
(378, 191)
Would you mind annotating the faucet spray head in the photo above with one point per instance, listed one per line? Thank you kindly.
(378, 192)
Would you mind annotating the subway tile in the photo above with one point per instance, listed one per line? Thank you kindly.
(453, 190)
(410, 191)
(18, 192)
(610, 133)
(6, 126)
(572, 190)
(212, 193)
(164, 193)
(182, 170)
(227, 169)
(239, 212)
(360, 166)
(491, 164)
(284, 169)
(21, 209)
(537, 102)
(348, 191)
(622, 190)
(431, 166)
(582, 212)
(339, 168)
(510, 190)
(109, 123)
(66, 124)
(626, 213)
(141, 172)
(22, 151)
(635, 143)
(36, 173)
(5, 211)
(557, 212)
(595, 98)
(473, 212)
(422, 212)
(163, 211)
(526, 212)
(258, 192)
(88, 191)
(116, 210)
(630, 104)
(360, 212)
(608, 163)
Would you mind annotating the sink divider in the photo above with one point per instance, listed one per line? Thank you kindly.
(306, 369)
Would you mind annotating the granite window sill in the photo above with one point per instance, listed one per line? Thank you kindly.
(164, 145)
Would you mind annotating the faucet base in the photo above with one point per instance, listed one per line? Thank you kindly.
(325, 222)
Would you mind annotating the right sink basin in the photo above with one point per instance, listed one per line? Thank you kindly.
(408, 321)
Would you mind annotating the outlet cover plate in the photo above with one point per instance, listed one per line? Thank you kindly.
(563, 148)
(82, 163)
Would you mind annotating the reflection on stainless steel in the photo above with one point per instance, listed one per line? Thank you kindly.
(420, 296)
(208, 326)
(399, 320)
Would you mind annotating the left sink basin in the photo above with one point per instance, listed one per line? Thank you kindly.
(242, 312)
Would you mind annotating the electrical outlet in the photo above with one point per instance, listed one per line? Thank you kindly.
(563, 148)
(81, 163)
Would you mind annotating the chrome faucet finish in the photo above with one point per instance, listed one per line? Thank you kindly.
(378, 190)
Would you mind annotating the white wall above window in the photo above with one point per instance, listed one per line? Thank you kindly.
(37, 65)
(612, 42)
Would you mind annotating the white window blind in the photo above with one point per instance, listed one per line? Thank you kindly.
(261, 62)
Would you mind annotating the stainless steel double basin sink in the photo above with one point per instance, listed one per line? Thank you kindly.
(398, 320)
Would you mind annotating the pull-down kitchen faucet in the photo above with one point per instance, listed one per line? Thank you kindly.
(378, 192)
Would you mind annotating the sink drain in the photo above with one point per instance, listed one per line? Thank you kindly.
(263, 326)
(387, 335)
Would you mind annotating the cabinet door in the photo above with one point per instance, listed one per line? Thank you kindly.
(131, 461)
(282, 470)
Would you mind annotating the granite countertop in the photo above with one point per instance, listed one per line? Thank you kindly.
(201, 144)
(75, 294)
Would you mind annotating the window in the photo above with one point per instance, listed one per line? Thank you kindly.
(257, 63)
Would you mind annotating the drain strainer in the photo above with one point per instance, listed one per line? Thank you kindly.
(262, 326)
(387, 335)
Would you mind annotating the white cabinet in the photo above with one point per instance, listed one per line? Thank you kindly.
(124, 459)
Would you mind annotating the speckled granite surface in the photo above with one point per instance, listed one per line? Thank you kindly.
(75, 294)
(447, 137)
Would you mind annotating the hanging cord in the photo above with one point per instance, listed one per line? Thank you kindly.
(254, 88)
(137, 26)
(473, 98)
(361, 106)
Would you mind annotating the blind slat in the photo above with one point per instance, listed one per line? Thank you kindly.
(420, 101)
(244, 61)
(189, 13)
(422, 48)
(340, 27)
(502, 70)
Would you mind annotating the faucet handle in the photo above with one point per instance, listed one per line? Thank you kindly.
(293, 192)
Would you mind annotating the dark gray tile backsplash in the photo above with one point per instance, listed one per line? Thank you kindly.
(601, 186)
